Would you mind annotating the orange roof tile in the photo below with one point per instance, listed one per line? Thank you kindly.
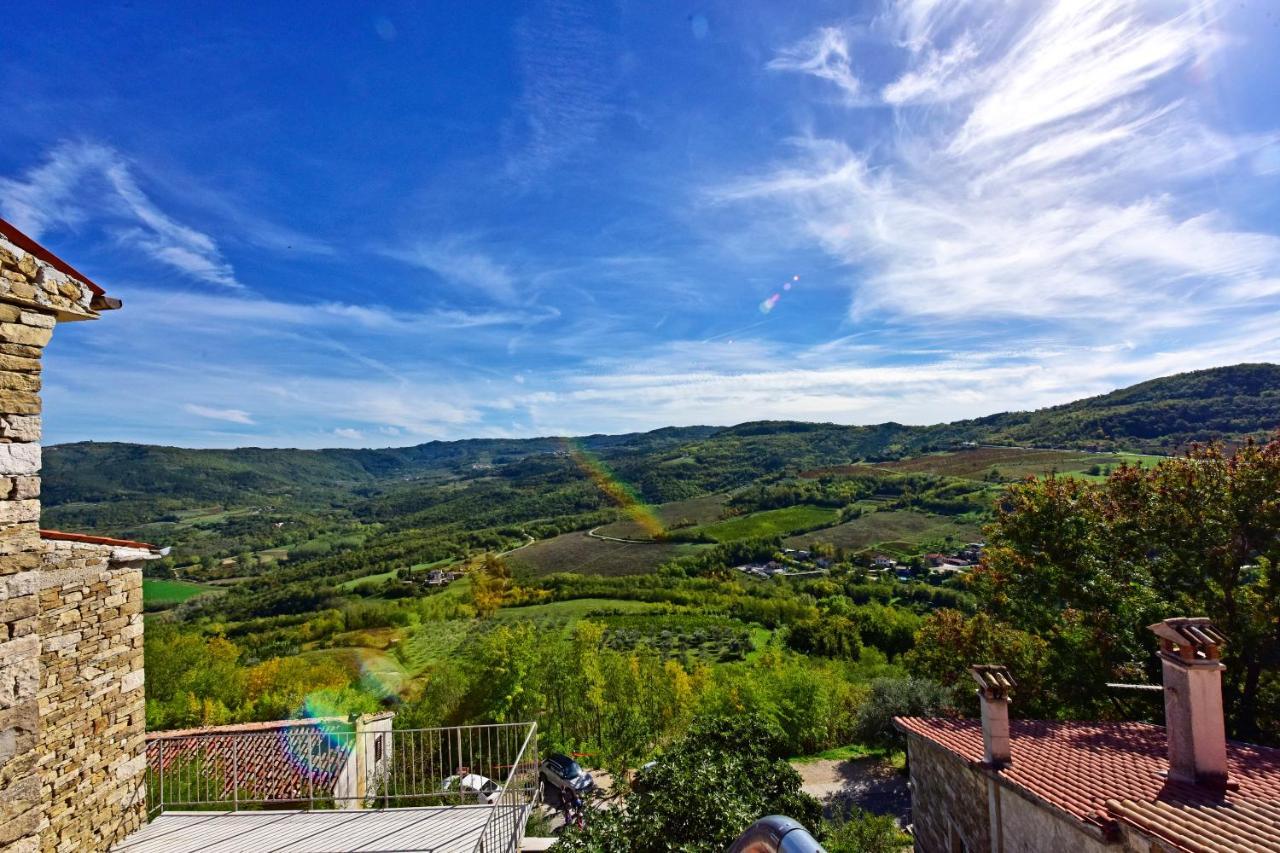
(288, 760)
(1102, 773)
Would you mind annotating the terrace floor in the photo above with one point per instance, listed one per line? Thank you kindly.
(441, 829)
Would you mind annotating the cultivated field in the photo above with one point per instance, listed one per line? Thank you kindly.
(774, 522)
(583, 554)
(675, 516)
(897, 530)
(1012, 463)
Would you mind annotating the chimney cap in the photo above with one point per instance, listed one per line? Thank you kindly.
(1190, 637)
(994, 680)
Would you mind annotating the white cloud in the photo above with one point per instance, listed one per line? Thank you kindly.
(81, 181)
(943, 76)
(235, 416)
(349, 434)
(825, 55)
(457, 262)
(1048, 175)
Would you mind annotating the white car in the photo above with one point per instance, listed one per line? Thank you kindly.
(482, 788)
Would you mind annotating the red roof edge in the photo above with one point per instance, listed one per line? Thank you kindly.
(244, 728)
(94, 540)
(26, 244)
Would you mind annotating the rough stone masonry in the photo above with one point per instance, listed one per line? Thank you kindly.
(72, 758)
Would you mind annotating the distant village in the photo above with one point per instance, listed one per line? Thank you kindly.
(797, 562)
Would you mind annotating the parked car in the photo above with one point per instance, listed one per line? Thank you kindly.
(473, 785)
(562, 772)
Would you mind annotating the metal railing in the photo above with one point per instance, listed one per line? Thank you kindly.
(316, 765)
(506, 822)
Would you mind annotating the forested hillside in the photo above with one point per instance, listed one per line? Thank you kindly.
(119, 486)
(1159, 416)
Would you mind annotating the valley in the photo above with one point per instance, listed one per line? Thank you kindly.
(511, 579)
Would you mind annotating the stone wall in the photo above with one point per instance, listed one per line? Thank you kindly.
(92, 743)
(34, 295)
(951, 811)
(948, 800)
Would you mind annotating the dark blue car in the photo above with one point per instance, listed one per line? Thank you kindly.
(562, 772)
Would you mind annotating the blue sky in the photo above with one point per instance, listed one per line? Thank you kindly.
(385, 223)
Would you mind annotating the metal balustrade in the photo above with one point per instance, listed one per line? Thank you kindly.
(328, 765)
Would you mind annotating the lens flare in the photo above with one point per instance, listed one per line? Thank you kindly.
(772, 302)
(313, 750)
(617, 491)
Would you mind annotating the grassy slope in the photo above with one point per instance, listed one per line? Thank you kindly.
(578, 552)
(165, 593)
(893, 529)
(1012, 463)
(772, 522)
(676, 515)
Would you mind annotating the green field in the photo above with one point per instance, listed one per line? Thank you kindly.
(574, 609)
(1013, 463)
(774, 522)
(898, 530)
(388, 575)
(583, 554)
(162, 593)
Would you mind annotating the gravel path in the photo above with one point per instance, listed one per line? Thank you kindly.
(869, 784)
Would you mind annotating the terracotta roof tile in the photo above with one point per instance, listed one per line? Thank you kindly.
(1104, 772)
(285, 760)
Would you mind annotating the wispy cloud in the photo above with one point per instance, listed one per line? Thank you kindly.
(940, 75)
(1046, 174)
(564, 61)
(80, 181)
(235, 416)
(460, 264)
(825, 54)
(349, 434)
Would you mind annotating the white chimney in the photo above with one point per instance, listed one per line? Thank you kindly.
(1189, 652)
(994, 684)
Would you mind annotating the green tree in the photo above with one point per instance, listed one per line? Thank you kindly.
(1088, 566)
(949, 642)
(897, 697)
(701, 793)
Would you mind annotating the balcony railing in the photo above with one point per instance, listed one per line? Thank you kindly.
(333, 765)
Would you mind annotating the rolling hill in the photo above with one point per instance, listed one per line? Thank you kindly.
(115, 486)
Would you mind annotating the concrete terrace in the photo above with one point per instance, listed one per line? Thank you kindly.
(439, 829)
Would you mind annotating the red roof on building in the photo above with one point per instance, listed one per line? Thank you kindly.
(277, 761)
(60, 535)
(31, 247)
(1103, 773)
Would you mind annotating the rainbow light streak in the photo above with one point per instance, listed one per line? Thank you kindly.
(616, 490)
(312, 753)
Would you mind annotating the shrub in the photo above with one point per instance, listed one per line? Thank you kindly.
(897, 697)
(863, 832)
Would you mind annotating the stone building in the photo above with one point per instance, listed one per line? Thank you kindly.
(72, 751)
(1030, 786)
